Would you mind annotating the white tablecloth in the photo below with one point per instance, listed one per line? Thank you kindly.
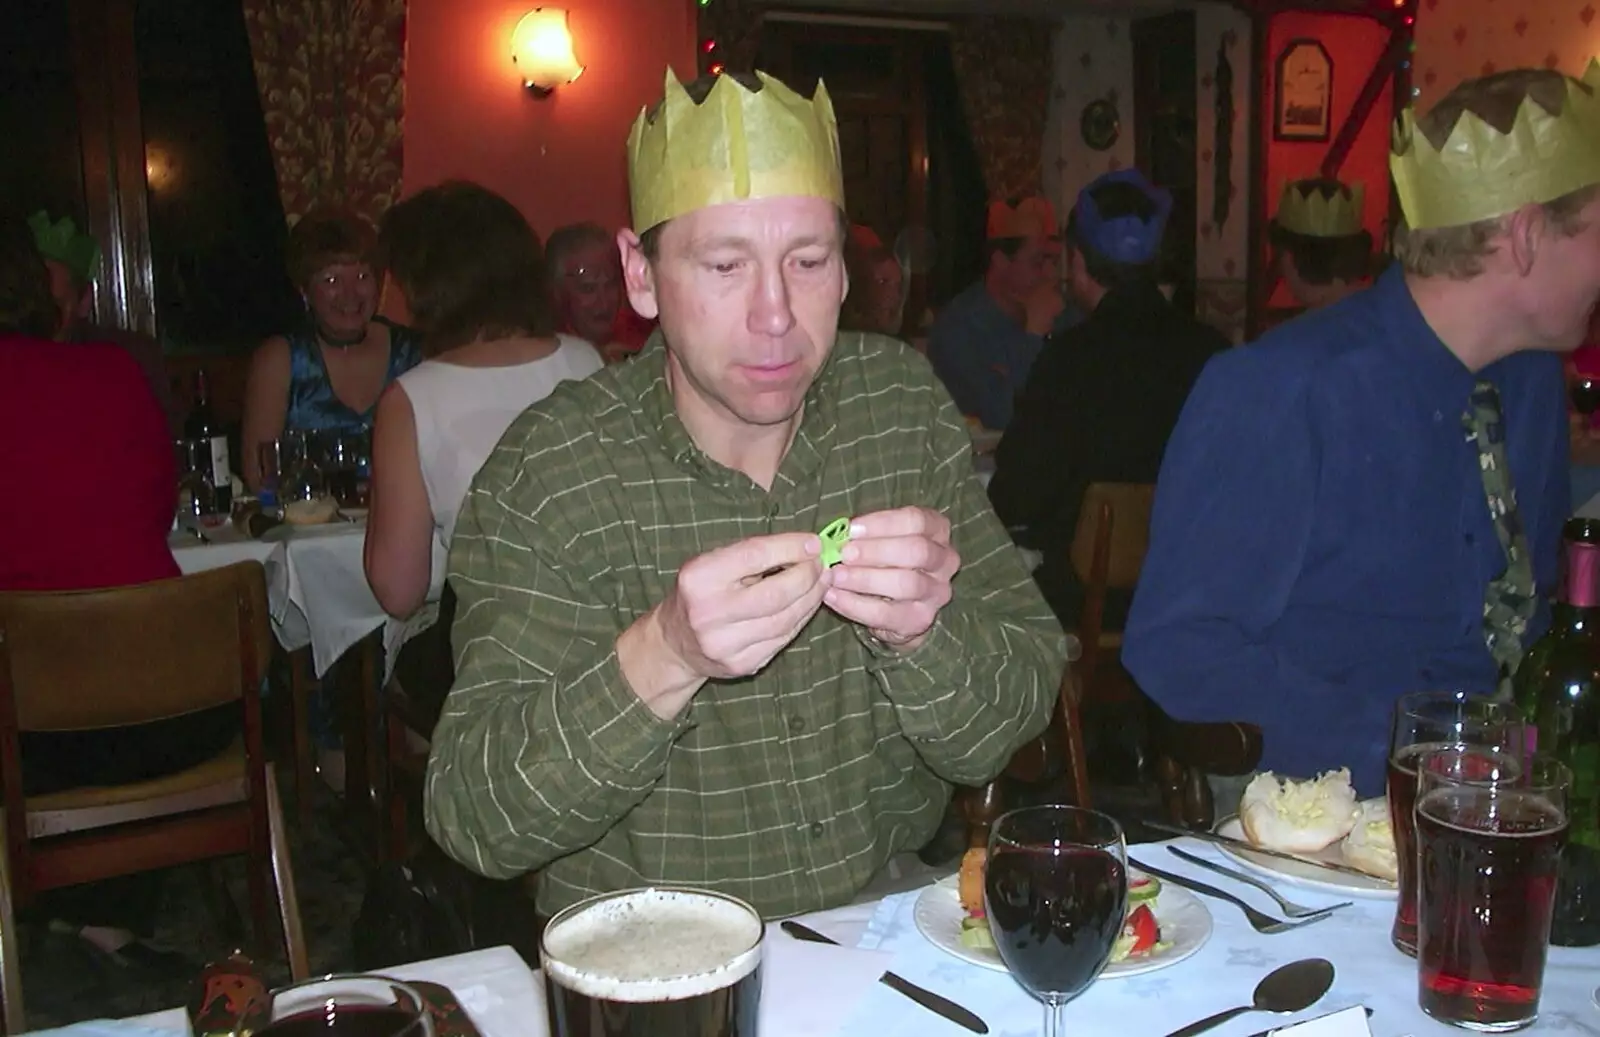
(316, 587)
(811, 989)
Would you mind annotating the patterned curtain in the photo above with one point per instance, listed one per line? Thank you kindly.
(1004, 67)
(331, 74)
(735, 25)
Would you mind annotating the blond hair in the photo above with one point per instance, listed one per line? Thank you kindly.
(1458, 252)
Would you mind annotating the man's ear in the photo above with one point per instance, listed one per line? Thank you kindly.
(1525, 230)
(637, 277)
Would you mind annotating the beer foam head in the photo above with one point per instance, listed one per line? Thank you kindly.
(653, 945)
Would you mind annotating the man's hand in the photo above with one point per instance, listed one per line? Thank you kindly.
(731, 611)
(896, 573)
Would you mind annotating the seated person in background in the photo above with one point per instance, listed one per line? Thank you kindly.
(585, 285)
(1104, 395)
(117, 449)
(983, 343)
(1368, 501)
(877, 285)
(327, 375)
(71, 258)
(660, 681)
(1323, 253)
(471, 272)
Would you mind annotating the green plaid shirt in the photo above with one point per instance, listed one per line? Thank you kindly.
(788, 789)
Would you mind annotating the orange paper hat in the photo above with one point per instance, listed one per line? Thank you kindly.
(1029, 218)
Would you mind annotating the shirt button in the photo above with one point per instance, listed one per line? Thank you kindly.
(816, 829)
(796, 725)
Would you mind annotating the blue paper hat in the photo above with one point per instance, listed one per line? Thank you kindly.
(1123, 239)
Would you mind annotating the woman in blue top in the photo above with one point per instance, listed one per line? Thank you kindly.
(327, 375)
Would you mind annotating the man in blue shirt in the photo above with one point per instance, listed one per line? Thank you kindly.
(985, 340)
(1322, 540)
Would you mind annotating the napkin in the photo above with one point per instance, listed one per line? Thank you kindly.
(105, 1028)
(1351, 1022)
(810, 989)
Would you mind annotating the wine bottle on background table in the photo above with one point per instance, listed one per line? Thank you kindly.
(202, 426)
(1558, 691)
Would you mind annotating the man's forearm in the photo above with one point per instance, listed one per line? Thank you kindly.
(524, 773)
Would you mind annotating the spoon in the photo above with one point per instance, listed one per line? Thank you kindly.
(1289, 988)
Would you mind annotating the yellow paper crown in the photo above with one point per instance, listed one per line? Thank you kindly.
(1481, 173)
(1305, 209)
(737, 145)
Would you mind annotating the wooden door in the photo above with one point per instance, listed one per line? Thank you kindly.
(875, 78)
(1164, 106)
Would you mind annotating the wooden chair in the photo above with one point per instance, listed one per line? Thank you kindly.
(1055, 759)
(1186, 752)
(14, 1019)
(1108, 550)
(129, 655)
(294, 935)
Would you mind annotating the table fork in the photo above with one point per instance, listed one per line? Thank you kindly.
(1260, 921)
(1290, 908)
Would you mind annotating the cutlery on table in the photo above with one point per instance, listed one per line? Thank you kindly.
(1249, 847)
(935, 1003)
(1260, 921)
(1289, 988)
(1290, 908)
(1269, 1031)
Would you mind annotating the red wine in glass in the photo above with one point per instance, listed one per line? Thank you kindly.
(1055, 890)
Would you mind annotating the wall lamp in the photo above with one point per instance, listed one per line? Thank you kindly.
(541, 48)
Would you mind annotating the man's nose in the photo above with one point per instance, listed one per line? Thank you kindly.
(771, 313)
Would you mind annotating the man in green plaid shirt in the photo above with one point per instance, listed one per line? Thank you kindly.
(658, 681)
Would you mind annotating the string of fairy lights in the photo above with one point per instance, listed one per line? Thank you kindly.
(710, 60)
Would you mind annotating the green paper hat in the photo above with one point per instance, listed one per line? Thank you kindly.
(62, 242)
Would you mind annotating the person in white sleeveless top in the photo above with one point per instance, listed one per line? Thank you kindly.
(471, 271)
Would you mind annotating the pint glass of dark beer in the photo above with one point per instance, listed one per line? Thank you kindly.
(657, 962)
(1489, 832)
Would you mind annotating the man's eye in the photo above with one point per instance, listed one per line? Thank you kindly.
(726, 268)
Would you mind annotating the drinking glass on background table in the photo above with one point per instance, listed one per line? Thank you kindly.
(343, 459)
(1426, 722)
(1490, 831)
(348, 1006)
(193, 459)
(1055, 892)
(301, 477)
(271, 458)
(659, 962)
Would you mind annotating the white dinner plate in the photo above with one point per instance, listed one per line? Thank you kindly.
(1185, 924)
(1305, 875)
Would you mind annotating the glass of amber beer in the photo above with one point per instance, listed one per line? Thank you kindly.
(1490, 830)
(656, 962)
(1424, 723)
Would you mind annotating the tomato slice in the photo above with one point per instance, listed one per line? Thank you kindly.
(1141, 925)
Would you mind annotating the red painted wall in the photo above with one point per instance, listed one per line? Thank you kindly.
(559, 160)
(1354, 45)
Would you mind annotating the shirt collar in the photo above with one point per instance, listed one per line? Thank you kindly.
(811, 441)
(1445, 381)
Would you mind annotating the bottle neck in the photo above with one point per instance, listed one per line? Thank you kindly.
(1580, 588)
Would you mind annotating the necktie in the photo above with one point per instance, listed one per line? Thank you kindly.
(1508, 600)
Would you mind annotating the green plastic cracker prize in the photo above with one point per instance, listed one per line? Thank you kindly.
(834, 536)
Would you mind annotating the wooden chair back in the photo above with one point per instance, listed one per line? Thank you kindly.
(126, 655)
(131, 655)
(1108, 550)
(1186, 753)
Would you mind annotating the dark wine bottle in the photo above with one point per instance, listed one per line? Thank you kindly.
(1557, 689)
(202, 426)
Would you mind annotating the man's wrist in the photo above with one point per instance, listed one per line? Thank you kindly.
(655, 672)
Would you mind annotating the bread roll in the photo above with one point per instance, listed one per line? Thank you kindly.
(1370, 844)
(310, 512)
(1298, 816)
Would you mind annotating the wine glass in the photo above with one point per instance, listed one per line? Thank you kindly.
(1055, 892)
(1425, 722)
(302, 478)
(349, 1005)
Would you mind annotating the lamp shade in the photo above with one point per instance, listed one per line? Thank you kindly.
(541, 47)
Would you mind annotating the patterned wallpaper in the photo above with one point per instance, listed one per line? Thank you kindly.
(1094, 60)
(1459, 39)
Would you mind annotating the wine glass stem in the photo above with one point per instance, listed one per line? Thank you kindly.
(1052, 1019)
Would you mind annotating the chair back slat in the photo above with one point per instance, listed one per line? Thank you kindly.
(1118, 514)
(130, 655)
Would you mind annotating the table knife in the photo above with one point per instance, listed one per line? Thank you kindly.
(935, 1003)
(1276, 1029)
(1249, 847)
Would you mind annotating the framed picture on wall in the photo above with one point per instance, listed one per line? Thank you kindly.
(1304, 101)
